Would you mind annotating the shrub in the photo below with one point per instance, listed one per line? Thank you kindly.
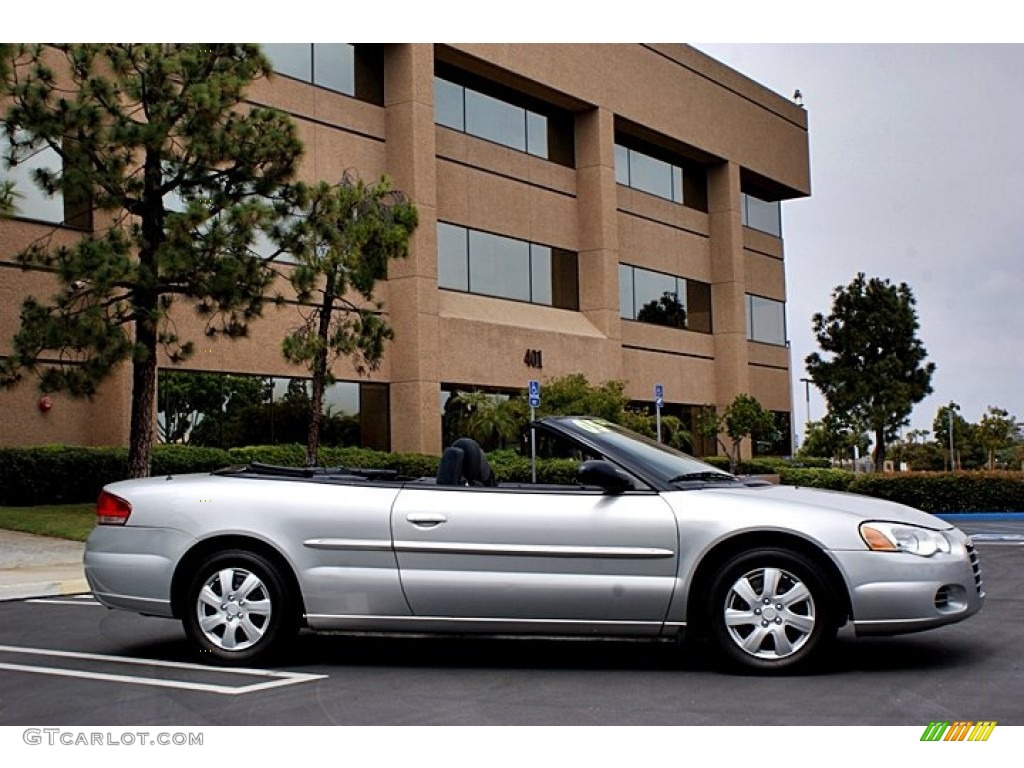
(185, 459)
(947, 491)
(763, 465)
(828, 479)
(58, 474)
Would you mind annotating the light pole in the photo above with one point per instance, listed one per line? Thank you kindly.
(952, 464)
(807, 397)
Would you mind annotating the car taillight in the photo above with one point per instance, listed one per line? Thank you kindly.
(111, 510)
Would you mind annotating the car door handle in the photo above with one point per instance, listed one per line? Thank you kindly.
(426, 519)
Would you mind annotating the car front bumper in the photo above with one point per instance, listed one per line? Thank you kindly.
(894, 592)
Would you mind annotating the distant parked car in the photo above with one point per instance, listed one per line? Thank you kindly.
(647, 542)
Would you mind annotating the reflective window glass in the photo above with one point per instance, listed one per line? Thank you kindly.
(448, 104)
(452, 257)
(30, 201)
(766, 320)
(334, 66)
(540, 274)
(621, 165)
(660, 299)
(536, 134)
(762, 215)
(698, 306)
(683, 182)
(542, 134)
(495, 120)
(480, 262)
(650, 175)
(292, 59)
(677, 184)
(224, 411)
(500, 266)
(265, 247)
(626, 308)
(649, 288)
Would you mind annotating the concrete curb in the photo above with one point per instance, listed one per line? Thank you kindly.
(42, 589)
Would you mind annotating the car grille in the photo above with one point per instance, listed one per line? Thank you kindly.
(942, 598)
(975, 567)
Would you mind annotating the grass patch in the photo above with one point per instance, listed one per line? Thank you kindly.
(61, 521)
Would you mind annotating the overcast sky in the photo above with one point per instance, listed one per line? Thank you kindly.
(917, 175)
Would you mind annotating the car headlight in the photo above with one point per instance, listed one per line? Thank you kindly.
(897, 537)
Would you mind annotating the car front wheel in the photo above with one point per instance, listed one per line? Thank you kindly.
(238, 608)
(771, 610)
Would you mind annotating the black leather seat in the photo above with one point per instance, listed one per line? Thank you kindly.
(475, 469)
(449, 469)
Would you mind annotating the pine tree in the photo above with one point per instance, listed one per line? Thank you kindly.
(342, 237)
(180, 176)
(875, 371)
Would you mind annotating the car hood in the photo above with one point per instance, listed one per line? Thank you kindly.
(852, 504)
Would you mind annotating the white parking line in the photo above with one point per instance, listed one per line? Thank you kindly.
(271, 678)
(55, 601)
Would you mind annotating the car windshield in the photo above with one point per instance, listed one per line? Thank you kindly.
(666, 463)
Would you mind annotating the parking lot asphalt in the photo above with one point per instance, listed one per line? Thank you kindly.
(67, 660)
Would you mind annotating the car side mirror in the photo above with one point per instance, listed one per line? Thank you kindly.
(604, 475)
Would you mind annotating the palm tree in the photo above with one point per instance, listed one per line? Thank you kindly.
(489, 419)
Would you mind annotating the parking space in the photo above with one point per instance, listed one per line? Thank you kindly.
(151, 672)
(70, 661)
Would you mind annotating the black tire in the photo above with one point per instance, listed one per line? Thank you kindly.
(239, 609)
(771, 610)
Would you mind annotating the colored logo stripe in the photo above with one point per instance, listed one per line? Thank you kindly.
(961, 730)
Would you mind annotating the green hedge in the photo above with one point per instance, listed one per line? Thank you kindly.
(57, 474)
(763, 465)
(63, 475)
(829, 479)
(508, 466)
(947, 491)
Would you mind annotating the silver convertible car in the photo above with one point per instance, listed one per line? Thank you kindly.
(648, 542)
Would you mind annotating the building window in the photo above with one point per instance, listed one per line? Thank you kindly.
(766, 320)
(678, 180)
(661, 299)
(762, 215)
(354, 70)
(30, 201)
(261, 245)
(480, 262)
(226, 411)
(501, 116)
(781, 443)
(465, 409)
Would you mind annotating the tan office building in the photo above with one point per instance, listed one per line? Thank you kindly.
(606, 209)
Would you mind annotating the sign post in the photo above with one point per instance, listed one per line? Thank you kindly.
(534, 404)
(659, 401)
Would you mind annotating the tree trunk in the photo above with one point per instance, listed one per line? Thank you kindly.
(319, 373)
(140, 441)
(879, 450)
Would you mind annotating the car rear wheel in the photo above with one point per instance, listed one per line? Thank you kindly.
(239, 609)
(771, 610)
